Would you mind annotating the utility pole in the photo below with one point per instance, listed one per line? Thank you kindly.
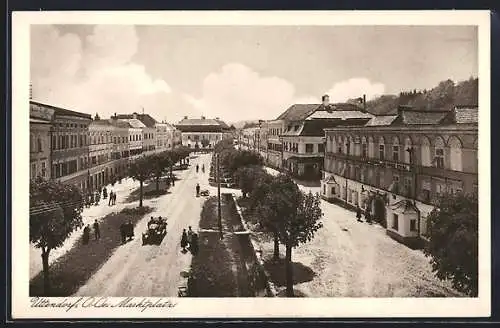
(219, 218)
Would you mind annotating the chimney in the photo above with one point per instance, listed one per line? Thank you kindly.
(364, 103)
(325, 100)
(203, 117)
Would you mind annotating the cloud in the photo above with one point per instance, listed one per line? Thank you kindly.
(98, 75)
(236, 92)
(354, 88)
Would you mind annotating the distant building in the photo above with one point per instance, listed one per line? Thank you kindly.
(202, 133)
(100, 153)
(147, 125)
(396, 166)
(164, 136)
(121, 151)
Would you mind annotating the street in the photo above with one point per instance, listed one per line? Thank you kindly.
(136, 270)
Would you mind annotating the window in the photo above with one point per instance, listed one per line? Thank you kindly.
(395, 223)
(44, 169)
(407, 186)
(321, 148)
(381, 151)
(364, 150)
(54, 142)
(439, 158)
(395, 153)
(33, 170)
(455, 154)
(413, 225)
(309, 148)
(324, 189)
(39, 144)
(347, 147)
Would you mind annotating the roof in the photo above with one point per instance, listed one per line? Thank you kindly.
(382, 120)
(62, 111)
(466, 115)
(198, 121)
(419, 117)
(145, 119)
(119, 123)
(135, 123)
(298, 112)
(404, 206)
(330, 180)
(339, 114)
(100, 122)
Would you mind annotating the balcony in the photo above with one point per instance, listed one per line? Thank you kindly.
(404, 167)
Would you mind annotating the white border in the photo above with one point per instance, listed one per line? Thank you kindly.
(241, 307)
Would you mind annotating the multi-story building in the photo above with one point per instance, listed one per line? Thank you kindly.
(164, 136)
(274, 154)
(121, 152)
(396, 166)
(69, 145)
(202, 133)
(303, 140)
(135, 138)
(176, 137)
(101, 145)
(40, 126)
(148, 126)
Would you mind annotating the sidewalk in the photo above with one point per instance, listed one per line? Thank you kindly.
(88, 215)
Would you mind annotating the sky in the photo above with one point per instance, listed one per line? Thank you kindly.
(238, 72)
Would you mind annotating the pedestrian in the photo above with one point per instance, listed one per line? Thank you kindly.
(97, 197)
(184, 240)
(358, 213)
(197, 168)
(110, 202)
(368, 216)
(97, 231)
(114, 198)
(86, 234)
(197, 189)
(104, 193)
(189, 235)
(194, 244)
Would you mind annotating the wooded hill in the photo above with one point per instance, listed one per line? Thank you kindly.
(444, 96)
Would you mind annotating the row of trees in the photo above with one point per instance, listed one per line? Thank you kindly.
(56, 208)
(156, 166)
(281, 209)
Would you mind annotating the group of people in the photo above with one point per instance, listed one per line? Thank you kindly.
(95, 198)
(368, 216)
(86, 232)
(126, 231)
(189, 240)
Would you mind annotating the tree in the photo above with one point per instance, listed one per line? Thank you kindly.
(299, 216)
(55, 212)
(453, 241)
(248, 178)
(160, 161)
(141, 170)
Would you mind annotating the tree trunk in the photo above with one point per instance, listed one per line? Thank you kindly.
(158, 184)
(140, 194)
(289, 271)
(276, 246)
(45, 266)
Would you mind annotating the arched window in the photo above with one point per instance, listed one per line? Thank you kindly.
(439, 152)
(340, 145)
(364, 148)
(407, 146)
(425, 151)
(371, 147)
(455, 148)
(39, 144)
(395, 149)
(333, 144)
(347, 145)
(381, 148)
(352, 146)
